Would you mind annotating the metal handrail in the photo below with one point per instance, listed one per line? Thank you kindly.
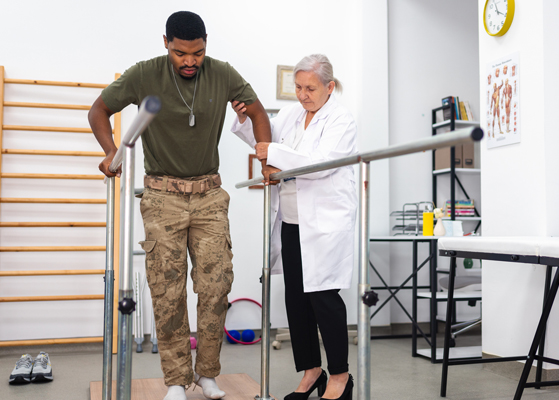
(363, 325)
(149, 108)
(434, 142)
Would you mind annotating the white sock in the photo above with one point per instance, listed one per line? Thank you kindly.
(209, 387)
(175, 393)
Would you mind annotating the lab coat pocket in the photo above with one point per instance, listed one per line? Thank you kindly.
(333, 214)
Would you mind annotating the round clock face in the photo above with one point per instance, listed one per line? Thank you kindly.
(495, 15)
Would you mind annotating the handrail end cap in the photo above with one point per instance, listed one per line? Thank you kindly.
(477, 134)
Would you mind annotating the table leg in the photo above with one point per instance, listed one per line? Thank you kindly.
(414, 303)
(548, 272)
(537, 337)
(433, 301)
(448, 324)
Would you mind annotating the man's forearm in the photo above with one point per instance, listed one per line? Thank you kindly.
(261, 128)
(260, 122)
(101, 127)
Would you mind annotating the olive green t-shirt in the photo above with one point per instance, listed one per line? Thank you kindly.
(171, 146)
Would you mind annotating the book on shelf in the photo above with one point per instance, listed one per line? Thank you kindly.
(469, 111)
(447, 101)
(462, 109)
(457, 107)
(461, 212)
(463, 112)
(468, 203)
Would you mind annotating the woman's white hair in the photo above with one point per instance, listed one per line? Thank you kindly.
(321, 66)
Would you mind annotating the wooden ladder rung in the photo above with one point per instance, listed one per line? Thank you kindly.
(46, 105)
(42, 342)
(54, 152)
(45, 128)
(53, 83)
(54, 272)
(52, 224)
(18, 299)
(50, 248)
(51, 201)
(50, 176)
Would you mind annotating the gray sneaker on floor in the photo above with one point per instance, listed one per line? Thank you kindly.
(42, 370)
(22, 371)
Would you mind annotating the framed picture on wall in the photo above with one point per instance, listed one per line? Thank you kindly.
(503, 101)
(285, 86)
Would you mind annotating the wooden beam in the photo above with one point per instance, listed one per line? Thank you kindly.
(42, 342)
(46, 105)
(2, 80)
(53, 83)
(51, 248)
(51, 176)
(51, 201)
(54, 152)
(52, 224)
(54, 272)
(19, 299)
(45, 129)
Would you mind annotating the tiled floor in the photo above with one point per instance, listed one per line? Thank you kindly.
(395, 374)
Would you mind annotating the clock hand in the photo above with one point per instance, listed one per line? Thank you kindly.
(496, 9)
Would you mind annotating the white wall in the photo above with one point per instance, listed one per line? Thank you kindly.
(551, 101)
(521, 176)
(433, 53)
(89, 42)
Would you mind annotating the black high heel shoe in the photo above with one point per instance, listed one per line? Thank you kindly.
(348, 390)
(319, 384)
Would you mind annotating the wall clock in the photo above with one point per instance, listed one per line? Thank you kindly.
(497, 16)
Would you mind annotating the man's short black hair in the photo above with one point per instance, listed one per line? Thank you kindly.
(185, 25)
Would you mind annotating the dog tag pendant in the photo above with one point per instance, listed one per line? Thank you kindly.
(191, 120)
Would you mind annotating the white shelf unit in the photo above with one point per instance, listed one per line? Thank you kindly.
(464, 218)
(458, 295)
(455, 352)
(457, 122)
(457, 170)
(453, 172)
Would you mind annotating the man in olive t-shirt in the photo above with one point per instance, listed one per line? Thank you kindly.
(183, 205)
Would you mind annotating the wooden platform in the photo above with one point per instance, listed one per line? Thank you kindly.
(237, 387)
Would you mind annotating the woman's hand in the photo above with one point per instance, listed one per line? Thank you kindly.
(268, 170)
(240, 109)
(262, 150)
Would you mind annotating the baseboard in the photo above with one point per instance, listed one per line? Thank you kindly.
(513, 370)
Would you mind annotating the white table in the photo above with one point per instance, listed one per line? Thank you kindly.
(527, 250)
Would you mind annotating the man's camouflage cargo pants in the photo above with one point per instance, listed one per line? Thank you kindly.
(173, 223)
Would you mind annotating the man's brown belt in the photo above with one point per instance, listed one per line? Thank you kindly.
(185, 186)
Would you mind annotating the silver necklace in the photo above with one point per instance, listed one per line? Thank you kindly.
(192, 118)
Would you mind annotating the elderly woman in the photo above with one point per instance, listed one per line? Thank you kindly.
(313, 231)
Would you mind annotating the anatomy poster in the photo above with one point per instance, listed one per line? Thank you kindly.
(503, 105)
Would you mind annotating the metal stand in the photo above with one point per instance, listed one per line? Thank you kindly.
(154, 348)
(364, 324)
(109, 294)
(139, 314)
(126, 303)
(265, 352)
(539, 336)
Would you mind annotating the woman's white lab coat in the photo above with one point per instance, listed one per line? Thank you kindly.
(326, 200)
